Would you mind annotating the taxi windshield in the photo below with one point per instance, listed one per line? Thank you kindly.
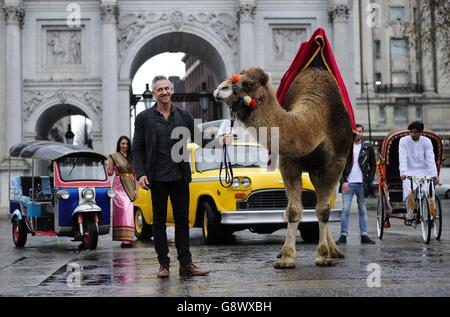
(240, 156)
(81, 169)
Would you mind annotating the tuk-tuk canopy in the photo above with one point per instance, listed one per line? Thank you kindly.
(49, 150)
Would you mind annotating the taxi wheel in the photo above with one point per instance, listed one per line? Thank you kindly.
(142, 230)
(90, 237)
(309, 231)
(19, 232)
(213, 231)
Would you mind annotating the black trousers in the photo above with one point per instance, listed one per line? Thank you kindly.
(178, 191)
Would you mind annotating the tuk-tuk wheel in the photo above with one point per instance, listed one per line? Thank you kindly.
(19, 232)
(90, 236)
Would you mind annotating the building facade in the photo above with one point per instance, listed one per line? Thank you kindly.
(397, 80)
(60, 57)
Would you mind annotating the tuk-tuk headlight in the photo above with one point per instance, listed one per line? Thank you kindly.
(88, 194)
(246, 182)
(111, 193)
(236, 183)
(64, 194)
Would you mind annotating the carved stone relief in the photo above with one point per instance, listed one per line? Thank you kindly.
(131, 25)
(33, 99)
(63, 47)
(286, 42)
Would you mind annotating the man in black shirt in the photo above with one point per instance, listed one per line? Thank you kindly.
(157, 169)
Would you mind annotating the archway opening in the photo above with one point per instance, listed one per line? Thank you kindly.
(56, 121)
(203, 67)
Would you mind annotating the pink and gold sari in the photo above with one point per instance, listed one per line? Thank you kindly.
(123, 211)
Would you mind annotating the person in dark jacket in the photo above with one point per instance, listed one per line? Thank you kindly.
(156, 158)
(356, 179)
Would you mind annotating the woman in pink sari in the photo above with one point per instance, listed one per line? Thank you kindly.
(125, 186)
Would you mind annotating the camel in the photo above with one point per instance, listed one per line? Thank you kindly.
(315, 136)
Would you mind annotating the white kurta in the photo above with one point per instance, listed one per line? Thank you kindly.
(416, 158)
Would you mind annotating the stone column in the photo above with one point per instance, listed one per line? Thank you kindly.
(339, 13)
(2, 85)
(246, 18)
(367, 49)
(110, 117)
(14, 15)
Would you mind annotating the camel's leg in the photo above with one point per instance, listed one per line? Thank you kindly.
(325, 183)
(292, 178)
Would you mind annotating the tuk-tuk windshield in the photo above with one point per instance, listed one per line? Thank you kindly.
(81, 168)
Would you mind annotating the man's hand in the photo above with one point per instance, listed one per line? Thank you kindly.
(435, 180)
(345, 187)
(402, 177)
(226, 139)
(143, 182)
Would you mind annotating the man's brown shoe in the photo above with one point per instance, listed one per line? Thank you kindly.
(163, 271)
(191, 270)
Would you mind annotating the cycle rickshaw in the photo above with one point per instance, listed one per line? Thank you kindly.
(67, 194)
(427, 206)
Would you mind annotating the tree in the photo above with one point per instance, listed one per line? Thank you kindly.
(430, 32)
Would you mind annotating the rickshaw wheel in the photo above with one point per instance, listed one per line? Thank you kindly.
(19, 232)
(437, 221)
(90, 237)
(425, 220)
(380, 216)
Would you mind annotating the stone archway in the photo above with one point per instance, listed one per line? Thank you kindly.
(215, 53)
(51, 116)
(40, 119)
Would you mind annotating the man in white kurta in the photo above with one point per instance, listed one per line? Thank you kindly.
(416, 158)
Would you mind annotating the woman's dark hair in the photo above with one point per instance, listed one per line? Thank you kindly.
(416, 125)
(123, 137)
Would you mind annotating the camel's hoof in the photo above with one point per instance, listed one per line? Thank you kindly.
(325, 262)
(337, 255)
(284, 264)
(279, 255)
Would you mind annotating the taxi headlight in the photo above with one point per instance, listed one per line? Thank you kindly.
(246, 182)
(88, 194)
(235, 183)
(111, 193)
(64, 194)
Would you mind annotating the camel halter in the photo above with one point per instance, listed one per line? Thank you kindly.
(225, 164)
(237, 88)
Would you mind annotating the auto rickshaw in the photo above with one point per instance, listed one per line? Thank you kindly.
(68, 193)
(428, 211)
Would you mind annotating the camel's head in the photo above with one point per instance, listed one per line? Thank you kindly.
(243, 92)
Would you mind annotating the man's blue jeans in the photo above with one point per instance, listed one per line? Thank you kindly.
(358, 190)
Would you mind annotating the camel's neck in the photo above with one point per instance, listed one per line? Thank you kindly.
(274, 118)
(272, 115)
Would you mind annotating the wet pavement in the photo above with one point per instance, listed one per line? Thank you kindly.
(407, 267)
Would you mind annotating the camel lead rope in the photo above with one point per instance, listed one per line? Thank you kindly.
(225, 164)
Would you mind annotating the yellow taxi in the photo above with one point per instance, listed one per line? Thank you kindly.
(256, 200)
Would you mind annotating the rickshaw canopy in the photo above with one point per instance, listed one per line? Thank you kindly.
(49, 150)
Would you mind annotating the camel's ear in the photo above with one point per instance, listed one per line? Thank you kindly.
(264, 78)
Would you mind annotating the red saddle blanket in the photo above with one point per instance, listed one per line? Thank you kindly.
(317, 44)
